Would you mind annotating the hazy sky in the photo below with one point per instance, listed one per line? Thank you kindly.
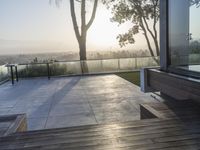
(31, 26)
(195, 22)
(36, 26)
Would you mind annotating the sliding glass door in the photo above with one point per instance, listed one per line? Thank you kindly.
(178, 32)
(184, 36)
(194, 59)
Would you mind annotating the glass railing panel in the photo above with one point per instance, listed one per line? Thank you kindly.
(74, 67)
(4, 75)
(32, 70)
(84, 67)
(111, 65)
(147, 62)
(95, 66)
(127, 64)
(58, 69)
(194, 59)
(65, 68)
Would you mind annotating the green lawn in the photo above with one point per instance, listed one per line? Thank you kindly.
(133, 77)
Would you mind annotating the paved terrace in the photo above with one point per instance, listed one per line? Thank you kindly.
(73, 101)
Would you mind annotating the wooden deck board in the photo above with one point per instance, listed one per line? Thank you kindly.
(171, 132)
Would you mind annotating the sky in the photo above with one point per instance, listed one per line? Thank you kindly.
(32, 26)
(35, 26)
(194, 22)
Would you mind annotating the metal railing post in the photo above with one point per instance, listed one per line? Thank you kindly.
(136, 63)
(12, 75)
(16, 73)
(26, 72)
(102, 65)
(48, 71)
(118, 64)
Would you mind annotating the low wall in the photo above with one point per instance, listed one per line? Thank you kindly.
(176, 86)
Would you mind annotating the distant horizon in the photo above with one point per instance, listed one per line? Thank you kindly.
(8, 47)
(70, 56)
(70, 51)
(14, 46)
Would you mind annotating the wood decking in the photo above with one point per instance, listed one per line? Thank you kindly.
(179, 130)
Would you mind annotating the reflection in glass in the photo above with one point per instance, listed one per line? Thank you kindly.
(179, 31)
(184, 35)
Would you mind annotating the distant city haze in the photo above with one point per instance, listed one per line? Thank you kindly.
(35, 26)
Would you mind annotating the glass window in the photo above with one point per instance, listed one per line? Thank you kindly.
(184, 35)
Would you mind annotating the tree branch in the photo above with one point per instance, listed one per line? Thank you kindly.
(83, 24)
(73, 15)
(147, 26)
(142, 18)
(154, 28)
(93, 14)
(146, 37)
(154, 37)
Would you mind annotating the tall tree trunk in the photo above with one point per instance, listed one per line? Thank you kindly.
(81, 35)
(82, 43)
(82, 48)
(82, 53)
(156, 3)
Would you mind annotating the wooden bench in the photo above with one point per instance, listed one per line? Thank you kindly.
(12, 123)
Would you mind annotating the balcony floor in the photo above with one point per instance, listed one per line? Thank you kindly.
(73, 101)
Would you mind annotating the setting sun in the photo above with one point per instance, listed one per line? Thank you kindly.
(103, 32)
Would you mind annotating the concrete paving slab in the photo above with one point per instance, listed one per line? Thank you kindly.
(68, 121)
(72, 109)
(73, 101)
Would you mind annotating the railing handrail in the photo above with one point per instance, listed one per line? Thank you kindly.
(67, 61)
(76, 67)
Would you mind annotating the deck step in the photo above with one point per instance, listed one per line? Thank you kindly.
(175, 130)
(143, 134)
